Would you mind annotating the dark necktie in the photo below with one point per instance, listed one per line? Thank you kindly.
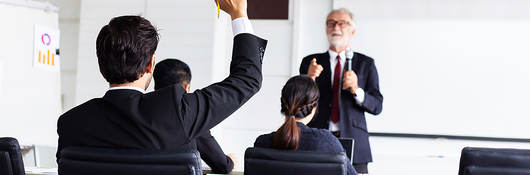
(335, 114)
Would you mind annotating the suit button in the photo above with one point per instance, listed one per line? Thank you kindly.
(261, 52)
(329, 105)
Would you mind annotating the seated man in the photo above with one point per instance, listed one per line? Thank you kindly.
(170, 119)
(173, 71)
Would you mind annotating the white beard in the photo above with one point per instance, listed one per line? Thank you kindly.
(336, 42)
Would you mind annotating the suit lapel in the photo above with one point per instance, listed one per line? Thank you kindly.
(325, 76)
(355, 62)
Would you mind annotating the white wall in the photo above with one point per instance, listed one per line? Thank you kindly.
(451, 67)
(69, 26)
(29, 97)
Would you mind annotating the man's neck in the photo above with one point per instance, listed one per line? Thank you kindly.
(339, 49)
(141, 82)
(138, 84)
(132, 84)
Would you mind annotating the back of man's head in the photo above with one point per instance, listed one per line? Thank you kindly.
(171, 71)
(125, 48)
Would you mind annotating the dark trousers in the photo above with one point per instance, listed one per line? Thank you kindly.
(360, 168)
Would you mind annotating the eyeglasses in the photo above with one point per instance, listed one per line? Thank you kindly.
(342, 24)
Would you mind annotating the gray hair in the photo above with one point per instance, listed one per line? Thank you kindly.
(345, 11)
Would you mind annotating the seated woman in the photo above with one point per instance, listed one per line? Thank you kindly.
(299, 102)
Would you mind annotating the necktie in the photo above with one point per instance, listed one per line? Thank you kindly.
(335, 114)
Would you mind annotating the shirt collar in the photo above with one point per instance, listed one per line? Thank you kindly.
(333, 55)
(128, 87)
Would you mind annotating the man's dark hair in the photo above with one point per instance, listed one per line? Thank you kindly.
(125, 47)
(171, 71)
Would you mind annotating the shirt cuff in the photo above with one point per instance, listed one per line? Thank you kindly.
(359, 98)
(241, 25)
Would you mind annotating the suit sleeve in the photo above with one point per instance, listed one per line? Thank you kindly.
(304, 65)
(203, 109)
(373, 99)
(213, 155)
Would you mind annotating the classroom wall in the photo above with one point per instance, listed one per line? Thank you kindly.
(29, 97)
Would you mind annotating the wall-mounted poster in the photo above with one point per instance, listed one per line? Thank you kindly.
(46, 48)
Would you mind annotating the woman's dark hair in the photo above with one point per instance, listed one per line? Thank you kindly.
(299, 97)
(125, 47)
(171, 71)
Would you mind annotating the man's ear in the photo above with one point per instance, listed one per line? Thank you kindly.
(151, 66)
(186, 87)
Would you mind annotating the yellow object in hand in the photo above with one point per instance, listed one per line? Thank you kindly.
(218, 9)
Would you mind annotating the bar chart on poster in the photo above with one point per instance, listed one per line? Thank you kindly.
(30, 88)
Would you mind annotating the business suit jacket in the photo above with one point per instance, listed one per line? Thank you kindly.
(352, 120)
(167, 119)
(213, 155)
(311, 139)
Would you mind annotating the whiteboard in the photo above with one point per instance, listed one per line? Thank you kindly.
(30, 98)
(451, 76)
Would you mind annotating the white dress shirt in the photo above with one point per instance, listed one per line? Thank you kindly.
(241, 25)
(128, 87)
(359, 98)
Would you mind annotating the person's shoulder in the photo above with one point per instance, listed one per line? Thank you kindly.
(264, 141)
(315, 55)
(81, 109)
(317, 131)
(176, 91)
(363, 57)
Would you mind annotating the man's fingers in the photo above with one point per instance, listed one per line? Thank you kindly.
(314, 61)
(319, 68)
(345, 86)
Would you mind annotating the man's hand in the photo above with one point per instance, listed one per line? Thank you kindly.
(235, 8)
(234, 159)
(314, 69)
(349, 80)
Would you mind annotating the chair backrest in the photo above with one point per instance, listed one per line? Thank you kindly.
(263, 161)
(494, 161)
(10, 157)
(105, 161)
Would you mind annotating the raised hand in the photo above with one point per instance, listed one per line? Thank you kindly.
(235, 8)
(314, 69)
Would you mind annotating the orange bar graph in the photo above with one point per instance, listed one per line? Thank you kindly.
(53, 59)
(48, 62)
(39, 55)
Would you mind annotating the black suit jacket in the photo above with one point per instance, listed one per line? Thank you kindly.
(213, 155)
(166, 119)
(352, 121)
(311, 139)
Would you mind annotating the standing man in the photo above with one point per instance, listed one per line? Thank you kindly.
(345, 95)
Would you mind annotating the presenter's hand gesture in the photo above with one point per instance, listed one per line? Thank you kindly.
(235, 8)
(314, 69)
(349, 80)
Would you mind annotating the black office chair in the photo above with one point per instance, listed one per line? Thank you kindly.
(10, 157)
(494, 161)
(263, 161)
(104, 161)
